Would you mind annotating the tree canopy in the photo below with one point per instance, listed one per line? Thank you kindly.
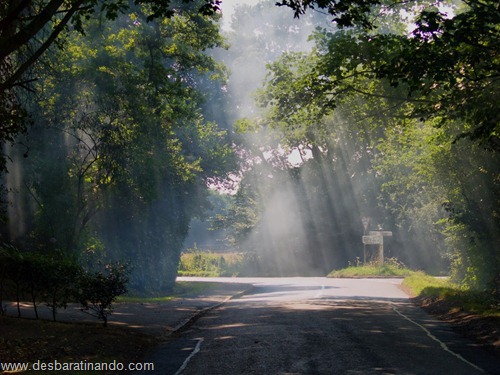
(388, 111)
(119, 152)
(434, 92)
(28, 28)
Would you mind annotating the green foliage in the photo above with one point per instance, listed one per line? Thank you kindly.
(392, 267)
(425, 286)
(97, 291)
(425, 106)
(56, 280)
(345, 13)
(208, 264)
(30, 28)
(120, 151)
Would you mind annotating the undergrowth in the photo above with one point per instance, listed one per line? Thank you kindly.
(208, 264)
(392, 267)
(428, 287)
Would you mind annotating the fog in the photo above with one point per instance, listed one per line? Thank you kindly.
(308, 205)
(123, 181)
(308, 218)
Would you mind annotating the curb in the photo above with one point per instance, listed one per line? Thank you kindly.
(182, 326)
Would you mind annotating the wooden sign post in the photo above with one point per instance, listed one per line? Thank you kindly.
(377, 238)
(365, 220)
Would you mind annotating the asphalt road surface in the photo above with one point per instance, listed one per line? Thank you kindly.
(323, 326)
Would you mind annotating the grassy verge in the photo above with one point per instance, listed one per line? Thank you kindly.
(430, 289)
(391, 268)
(209, 264)
(473, 314)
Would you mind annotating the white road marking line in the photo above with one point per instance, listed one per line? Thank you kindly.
(320, 293)
(193, 353)
(442, 344)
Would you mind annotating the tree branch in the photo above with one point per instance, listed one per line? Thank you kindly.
(14, 42)
(11, 81)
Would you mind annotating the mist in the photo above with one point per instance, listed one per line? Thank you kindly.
(306, 208)
(139, 148)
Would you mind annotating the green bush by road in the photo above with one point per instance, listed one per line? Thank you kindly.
(424, 286)
(391, 268)
(208, 264)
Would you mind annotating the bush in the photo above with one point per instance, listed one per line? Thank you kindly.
(44, 277)
(55, 280)
(392, 267)
(98, 291)
(60, 282)
(208, 264)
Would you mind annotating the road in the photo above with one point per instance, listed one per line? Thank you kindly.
(324, 326)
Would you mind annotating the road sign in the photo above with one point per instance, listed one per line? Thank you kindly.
(376, 237)
(372, 240)
(385, 233)
(365, 220)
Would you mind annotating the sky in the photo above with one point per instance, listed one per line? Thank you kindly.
(228, 9)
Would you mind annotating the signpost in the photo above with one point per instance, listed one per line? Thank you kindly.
(372, 240)
(377, 238)
(365, 220)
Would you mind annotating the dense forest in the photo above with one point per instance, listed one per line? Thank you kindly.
(124, 122)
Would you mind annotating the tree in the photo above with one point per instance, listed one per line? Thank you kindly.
(120, 152)
(98, 291)
(448, 65)
(440, 92)
(29, 28)
(22, 20)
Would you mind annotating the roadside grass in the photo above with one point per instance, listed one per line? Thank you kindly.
(435, 290)
(391, 268)
(428, 290)
(210, 264)
(474, 314)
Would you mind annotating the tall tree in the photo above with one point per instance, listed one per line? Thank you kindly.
(443, 75)
(29, 28)
(136, 152)
(449, 62)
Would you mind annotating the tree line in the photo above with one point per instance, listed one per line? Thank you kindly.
(56, 280)
(393, 115)
(115, 162)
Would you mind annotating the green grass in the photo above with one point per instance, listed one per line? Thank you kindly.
(209, 264)
(424, 286)
(137, 299)
(421, 285)
(391, 268)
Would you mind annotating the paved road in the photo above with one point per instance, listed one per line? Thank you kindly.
(323, 326)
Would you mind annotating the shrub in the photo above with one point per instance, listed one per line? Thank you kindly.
(60, 282)
(98, 291)
(392, 267)
(208, 264)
